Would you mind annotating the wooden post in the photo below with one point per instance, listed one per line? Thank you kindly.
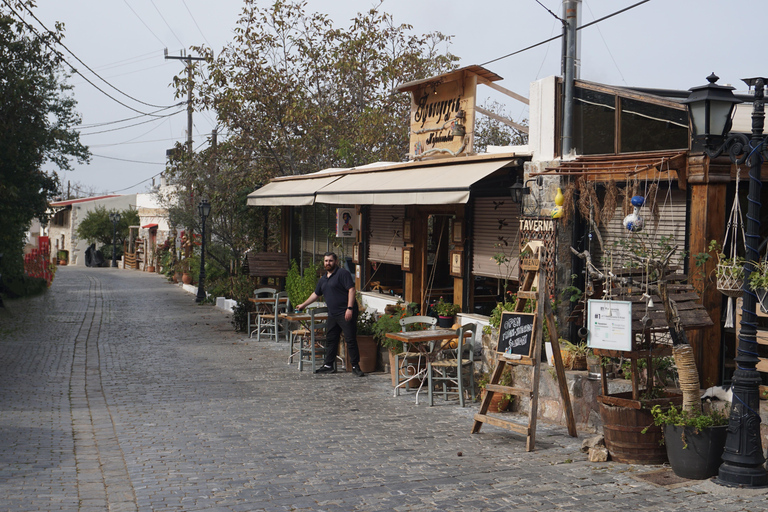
(708, 183)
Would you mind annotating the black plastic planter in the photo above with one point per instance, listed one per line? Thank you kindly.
(703, 452)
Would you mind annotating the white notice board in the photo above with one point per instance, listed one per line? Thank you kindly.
(610, 324)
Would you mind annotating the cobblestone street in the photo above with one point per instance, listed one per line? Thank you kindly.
(119, 393)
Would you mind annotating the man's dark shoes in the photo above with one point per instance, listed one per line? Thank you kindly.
(357, 371)
(326, 369)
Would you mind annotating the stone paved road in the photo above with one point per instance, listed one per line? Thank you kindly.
(118, 392)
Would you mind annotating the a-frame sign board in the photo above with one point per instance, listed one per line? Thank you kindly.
(513, 341)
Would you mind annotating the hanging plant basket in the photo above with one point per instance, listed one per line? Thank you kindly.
(762, 299)
(730, 279)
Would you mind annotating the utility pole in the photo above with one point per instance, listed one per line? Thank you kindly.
(188, 59)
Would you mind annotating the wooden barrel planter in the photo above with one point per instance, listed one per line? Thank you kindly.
(624, 420)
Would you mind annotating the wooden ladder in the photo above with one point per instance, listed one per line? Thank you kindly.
(532, 268)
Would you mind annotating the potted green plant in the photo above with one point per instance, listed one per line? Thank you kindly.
(729, 271)
(383, 325)
(578, 353)
(758, 281)
(500, 401)
(366, 341)
(694, 440)
(446, 312)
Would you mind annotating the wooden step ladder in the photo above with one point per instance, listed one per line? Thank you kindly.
(535, 276)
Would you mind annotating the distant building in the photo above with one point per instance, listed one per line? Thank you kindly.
(67, 216)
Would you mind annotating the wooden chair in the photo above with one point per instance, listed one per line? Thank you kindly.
(258, 293)
(404, 360)
(268, 323)
(456, 365)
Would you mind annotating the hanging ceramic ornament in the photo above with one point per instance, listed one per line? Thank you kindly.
(634, 222)
(557, 211)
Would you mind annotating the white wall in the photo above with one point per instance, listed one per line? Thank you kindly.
(542, 110)
(74, 245)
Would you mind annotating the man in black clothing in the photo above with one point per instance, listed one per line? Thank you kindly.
(337, 287)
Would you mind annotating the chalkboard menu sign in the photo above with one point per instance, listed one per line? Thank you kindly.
(515, 331)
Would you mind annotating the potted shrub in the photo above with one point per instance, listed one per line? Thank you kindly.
(385, 324)
(576, 353)
(500, 401)
(366, 342)
(446, 312)
(694, 440)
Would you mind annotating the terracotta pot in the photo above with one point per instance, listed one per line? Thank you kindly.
(186, 278)
(498, 402)
(151, 268)
(177, 277)
(368, 349)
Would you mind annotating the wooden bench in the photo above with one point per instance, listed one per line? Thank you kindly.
(268, 264)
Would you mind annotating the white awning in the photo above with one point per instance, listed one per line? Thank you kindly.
(298, 192)
(438, 184)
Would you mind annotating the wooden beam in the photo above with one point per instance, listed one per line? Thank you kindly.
(497, 117)
(503, 90)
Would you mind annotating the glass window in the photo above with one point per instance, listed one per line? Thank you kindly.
(594, 122)
(649, 127)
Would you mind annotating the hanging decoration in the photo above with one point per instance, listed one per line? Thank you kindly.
(730, 266)
(634, 222)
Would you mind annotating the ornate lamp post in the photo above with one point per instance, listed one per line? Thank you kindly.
(204, 208)
(710, 108)
(115, 218)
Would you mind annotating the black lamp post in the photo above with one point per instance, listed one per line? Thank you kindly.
(115, 218)
(711, 107)
(205, 209)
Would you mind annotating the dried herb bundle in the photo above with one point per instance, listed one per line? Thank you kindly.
(588, 200)
(568, 201)
(610, 202)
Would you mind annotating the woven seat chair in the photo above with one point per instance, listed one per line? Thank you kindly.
(451, 367)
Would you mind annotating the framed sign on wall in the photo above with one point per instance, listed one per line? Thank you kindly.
(407, 231)
(407, 255)
(457, 263)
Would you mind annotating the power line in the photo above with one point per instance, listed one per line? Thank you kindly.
(195, 21)
(106, 123)
(63, 59)
(157, 118)
(128, 160)
(166, 23)
(559, 36)
(147, 26)
(137, 184)
(58, 40)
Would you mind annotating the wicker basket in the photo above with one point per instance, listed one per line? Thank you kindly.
(730, 279)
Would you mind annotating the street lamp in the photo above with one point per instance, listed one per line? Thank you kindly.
(205, 209)
(115, 218)
(518, 191)
(710, 108)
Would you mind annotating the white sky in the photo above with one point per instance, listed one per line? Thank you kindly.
(663, 43)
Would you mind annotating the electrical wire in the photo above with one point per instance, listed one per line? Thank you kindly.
(63, 59)
(137, 184)
(561, 35)
(58, 40)
(195, 22)
(135, 124)
(608, 48)
(166, 23)
(143, 23)
(106, 123)
(127, 160)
